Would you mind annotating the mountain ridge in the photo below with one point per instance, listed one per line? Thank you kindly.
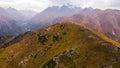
(104, 21)
(60, 45)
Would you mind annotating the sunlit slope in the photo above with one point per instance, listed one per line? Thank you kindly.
(62, 45)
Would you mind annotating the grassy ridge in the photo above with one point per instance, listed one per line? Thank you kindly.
(38, 48)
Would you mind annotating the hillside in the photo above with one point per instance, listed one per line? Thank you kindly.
(5, 40)
(62, 45)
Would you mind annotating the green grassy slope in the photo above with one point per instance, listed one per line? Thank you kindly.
(62, 45)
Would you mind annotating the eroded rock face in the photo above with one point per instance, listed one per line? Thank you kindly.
(105, 21)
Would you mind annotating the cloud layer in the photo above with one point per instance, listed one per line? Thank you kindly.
(39, 5)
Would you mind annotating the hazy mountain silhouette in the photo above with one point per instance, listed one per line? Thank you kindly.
(10, 22)
(52, 13)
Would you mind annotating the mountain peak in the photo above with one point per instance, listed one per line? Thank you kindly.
(66, 6)
(88, 9)
(70, 6)
(11, 9)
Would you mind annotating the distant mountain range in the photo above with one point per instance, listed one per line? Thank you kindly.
(8, 25)
(14, 22)
(105, 21)
(11, 22)
(51, 14)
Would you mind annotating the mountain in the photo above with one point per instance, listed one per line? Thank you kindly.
(62, 45)
(105, 21)
(16, 15)
(28, 13)
(3, 12)
(8, 26)
(11, 22)
(50, 14)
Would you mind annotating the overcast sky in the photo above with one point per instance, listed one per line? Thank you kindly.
(39, 5)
